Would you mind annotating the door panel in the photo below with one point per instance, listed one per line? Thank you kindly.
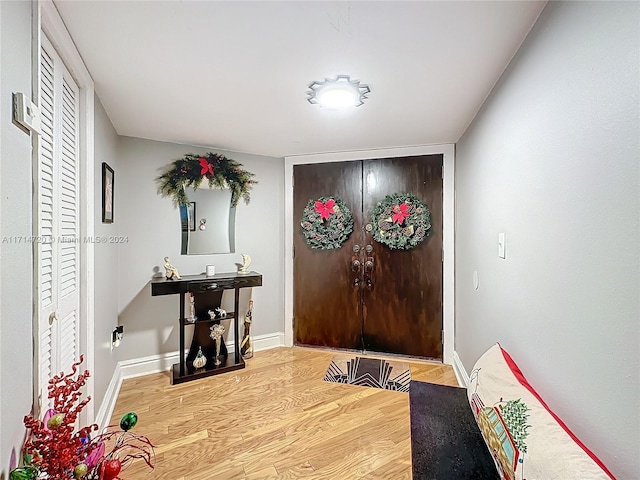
(47, 278)
(327, 305)
(396, 305)
(58, 220)
(403, 306)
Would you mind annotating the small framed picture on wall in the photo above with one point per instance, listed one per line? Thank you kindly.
(107, 193)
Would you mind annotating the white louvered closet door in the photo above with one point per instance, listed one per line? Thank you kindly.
(58, 220)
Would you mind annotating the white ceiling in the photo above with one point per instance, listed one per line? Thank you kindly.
(234, 75)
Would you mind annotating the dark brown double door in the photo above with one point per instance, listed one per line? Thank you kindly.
(365, 296)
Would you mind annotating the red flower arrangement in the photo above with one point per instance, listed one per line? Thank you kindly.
(54, 449)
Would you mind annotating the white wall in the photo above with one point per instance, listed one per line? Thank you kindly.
(151, 225)
(16, 273)
(106, 257)
(552, 159)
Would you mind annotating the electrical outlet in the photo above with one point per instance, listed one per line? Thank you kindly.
(116, 336)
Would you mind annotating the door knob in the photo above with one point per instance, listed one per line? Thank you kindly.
(52, 318)
(368, 248)
(368, 265)
(355, 267)
(356, 248)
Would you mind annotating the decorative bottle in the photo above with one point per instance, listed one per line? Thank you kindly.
(246, 346)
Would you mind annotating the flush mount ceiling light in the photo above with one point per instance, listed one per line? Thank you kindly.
(339, 92)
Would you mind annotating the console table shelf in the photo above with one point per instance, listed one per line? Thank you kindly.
(230, 316)
(207, 294)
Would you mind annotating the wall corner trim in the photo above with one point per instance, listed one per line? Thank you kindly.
(110, 397)
(461, 373)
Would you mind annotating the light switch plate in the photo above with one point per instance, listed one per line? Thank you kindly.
(502, 245)
(25, 113)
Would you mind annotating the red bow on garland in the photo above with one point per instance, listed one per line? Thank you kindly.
(325, 209)
(400, 212)
(206, 166)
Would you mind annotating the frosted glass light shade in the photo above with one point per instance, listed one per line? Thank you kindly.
(340, 92)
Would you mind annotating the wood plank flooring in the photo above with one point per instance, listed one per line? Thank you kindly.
(275, 419)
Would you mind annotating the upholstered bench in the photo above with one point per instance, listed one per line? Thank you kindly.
(497, 428)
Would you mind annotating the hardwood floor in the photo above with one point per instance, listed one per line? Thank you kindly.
(275, 419)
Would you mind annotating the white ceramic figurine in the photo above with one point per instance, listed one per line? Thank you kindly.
(246, 261)
(171, 271)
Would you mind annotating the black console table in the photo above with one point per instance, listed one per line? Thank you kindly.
(207, 293)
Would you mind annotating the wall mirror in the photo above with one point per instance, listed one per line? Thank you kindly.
(207, 222)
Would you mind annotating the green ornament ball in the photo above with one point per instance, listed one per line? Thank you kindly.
(128, 421)
(24, 473)
(56, 421)
(80, 470)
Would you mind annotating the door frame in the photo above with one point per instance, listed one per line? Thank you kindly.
(448, 227)
(47, 19)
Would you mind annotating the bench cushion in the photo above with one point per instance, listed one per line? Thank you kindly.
(527, 440)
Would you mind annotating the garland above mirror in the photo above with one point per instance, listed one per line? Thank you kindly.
(218, 170)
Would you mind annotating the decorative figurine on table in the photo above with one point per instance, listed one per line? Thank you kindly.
(246, 347)
(217, 313)
(192, 309)
(200, 361)
(171, 271)
(246, 261)
(216, 333)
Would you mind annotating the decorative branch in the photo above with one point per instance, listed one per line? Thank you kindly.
(217, 170)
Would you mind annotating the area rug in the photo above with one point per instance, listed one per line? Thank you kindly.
(446, 442)
(369, 372)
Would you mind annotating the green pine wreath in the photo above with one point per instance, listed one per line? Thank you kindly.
(326, 223)
(217, 170)
(400, 221)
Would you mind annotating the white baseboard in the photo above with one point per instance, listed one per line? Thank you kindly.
(160, 363)
(109, 402)
(268, 341)
(461, 373)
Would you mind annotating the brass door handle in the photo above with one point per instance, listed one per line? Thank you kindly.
(355, 268)
(52, 318)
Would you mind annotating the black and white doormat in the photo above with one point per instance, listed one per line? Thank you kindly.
(369, 372)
